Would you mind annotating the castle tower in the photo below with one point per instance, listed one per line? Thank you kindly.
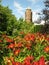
(28, 15)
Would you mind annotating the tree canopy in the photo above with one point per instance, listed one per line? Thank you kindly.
(46, 10)
(7, 19)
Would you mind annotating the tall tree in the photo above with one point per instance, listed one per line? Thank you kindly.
(7, 19)
(46, 11)
(46, 16)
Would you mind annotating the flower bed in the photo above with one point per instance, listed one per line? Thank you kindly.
(25, 49)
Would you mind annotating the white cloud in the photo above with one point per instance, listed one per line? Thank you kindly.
(18, 7)
(35, 15)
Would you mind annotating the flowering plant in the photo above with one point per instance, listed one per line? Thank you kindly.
(25, 49)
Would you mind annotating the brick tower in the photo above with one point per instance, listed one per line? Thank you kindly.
(28, 15)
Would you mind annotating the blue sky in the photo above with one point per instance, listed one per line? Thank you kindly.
(18, 7)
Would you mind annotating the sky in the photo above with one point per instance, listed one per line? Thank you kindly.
(19, 7)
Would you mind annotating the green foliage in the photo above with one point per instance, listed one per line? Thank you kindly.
(7, 19)
(12, 26)
(23, 26)
(38, 28)
(22, 55)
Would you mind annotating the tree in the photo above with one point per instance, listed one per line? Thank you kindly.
(7, 19)
(46, 11)
(3, 18)
(46, 17)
